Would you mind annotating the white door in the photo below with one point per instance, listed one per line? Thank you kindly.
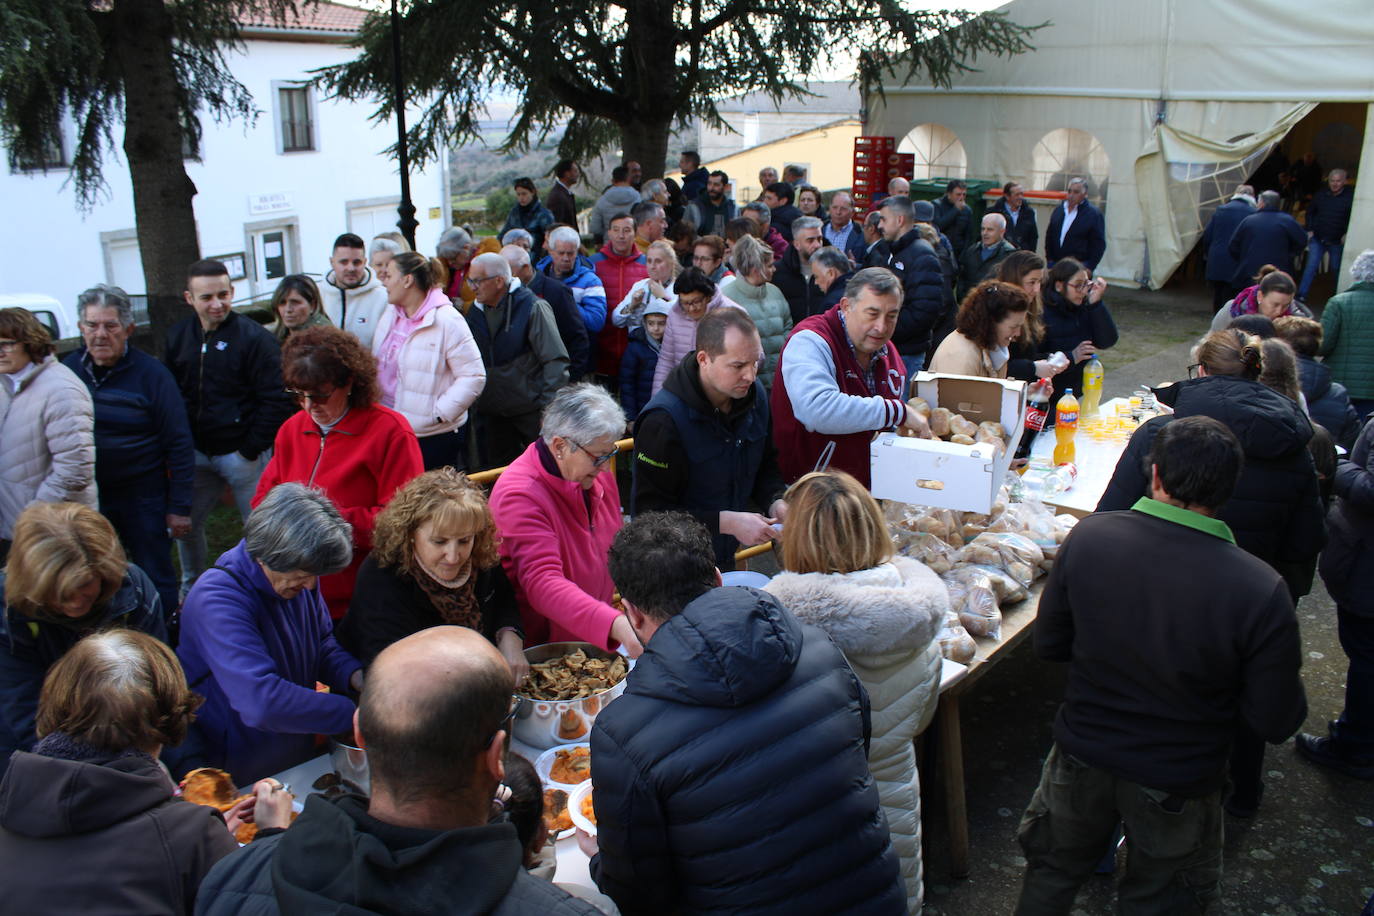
(369, 222)
(274, 256)
(126, 266)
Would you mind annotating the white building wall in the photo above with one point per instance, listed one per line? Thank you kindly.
(48, 245)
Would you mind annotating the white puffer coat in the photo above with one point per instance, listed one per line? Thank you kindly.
(47, 442)
(885, 620)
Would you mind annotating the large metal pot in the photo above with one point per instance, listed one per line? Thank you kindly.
(544, 723)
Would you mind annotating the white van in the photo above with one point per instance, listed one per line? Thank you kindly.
(59, 319)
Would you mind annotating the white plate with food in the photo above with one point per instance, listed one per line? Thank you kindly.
(580, 808)
(565, 766)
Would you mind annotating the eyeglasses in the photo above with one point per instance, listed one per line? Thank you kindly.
(8, 345)
(475, 280)
(317, 397)
(502, 725)
(1192, 370)
(597, 460)
(1084, 284)
(109, 327)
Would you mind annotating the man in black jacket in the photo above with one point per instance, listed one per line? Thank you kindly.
(434, 715)
(952, 215)
(1161, 673)
(915, 263)
(1077, 229)
(566, 315)
(228, 369)
(732, 774)
(980, 260)
(1328, 218)
(792, 275)
(703, 443)
(777, 197)
(1267, 236)
(1021, 228)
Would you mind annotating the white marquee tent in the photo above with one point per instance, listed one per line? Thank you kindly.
(1165, 104)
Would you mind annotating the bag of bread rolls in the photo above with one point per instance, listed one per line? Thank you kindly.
(955, 643)
(971, 596)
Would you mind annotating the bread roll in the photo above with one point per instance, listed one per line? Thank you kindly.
(939, 422)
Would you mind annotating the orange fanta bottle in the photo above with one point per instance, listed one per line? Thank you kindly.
(1065, 427)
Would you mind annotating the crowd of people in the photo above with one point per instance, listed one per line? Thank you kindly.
(380, 596)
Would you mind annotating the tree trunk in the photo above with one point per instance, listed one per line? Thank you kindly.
(163, 213)
(646, 141)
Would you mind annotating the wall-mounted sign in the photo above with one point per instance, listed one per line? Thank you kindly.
(435, 213)
(235, 263)
(275, 202)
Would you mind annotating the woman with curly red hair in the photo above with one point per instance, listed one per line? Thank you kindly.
(435, 561)
(991, 317)
(343, 442)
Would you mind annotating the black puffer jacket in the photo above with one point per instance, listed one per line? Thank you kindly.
(732, 774)
(915, 263)
(1276, 510)
(1328, 402)
(1347, 564)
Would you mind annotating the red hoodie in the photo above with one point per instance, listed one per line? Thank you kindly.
(618, 273)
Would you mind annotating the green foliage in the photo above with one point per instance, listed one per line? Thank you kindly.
(62, 58)
(627, 72)
(498, 202)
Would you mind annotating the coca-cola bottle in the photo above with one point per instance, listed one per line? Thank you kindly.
(1037, 410)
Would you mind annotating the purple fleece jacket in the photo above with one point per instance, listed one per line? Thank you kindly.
(255, 657)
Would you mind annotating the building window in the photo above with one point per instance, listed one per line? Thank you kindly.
(296, 119)
(938, 152)
(50, 158)
(1068, 153)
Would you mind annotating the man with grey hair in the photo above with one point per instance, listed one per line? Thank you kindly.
(566, 263)
(145, 462)
(256, 637)
(571, 329)
(1216, 243)
(1328, 218)
(897, 187)
(830, 271)
(758, 212)
(521, 238)
(524, 357)
(650, 223)
(840, 379)
(875, 246)
(842, 230)
(793, 272)
(980, 260)
(1267, 236)
(455, 250)
(1076, 229)
(917, 266)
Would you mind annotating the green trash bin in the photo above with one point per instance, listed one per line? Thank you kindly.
(934, 188)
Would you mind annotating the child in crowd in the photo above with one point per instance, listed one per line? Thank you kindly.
(641, 358)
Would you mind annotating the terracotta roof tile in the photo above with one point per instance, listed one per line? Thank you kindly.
(311, 17)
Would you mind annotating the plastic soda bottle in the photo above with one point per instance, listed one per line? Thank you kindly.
(1037, 411)
(1092, 388)
(1065, 428)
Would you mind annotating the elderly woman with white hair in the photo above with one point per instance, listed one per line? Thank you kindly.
(558, 509)
(1348, 335)
(256, 638)
(455, 249)
(764, 302)
(382, 249)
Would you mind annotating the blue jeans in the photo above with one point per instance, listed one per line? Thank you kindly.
(1315, 250)
(212, 475)
(914, 363)
(139, 516)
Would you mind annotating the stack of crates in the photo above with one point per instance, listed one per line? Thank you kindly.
(876, 162)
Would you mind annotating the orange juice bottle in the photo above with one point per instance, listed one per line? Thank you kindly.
(1065, 427)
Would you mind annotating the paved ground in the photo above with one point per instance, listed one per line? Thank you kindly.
(1311, 848)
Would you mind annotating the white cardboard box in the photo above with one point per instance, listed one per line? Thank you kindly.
(931, 472)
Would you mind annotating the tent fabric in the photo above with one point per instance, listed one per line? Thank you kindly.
(1168, 88)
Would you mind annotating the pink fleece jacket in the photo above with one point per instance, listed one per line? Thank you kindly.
(680, 338)
(554, 556)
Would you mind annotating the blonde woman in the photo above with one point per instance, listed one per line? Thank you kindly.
(434, 561)
(765, 303)
(656, 289)
(883, 611)
(66, 577)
